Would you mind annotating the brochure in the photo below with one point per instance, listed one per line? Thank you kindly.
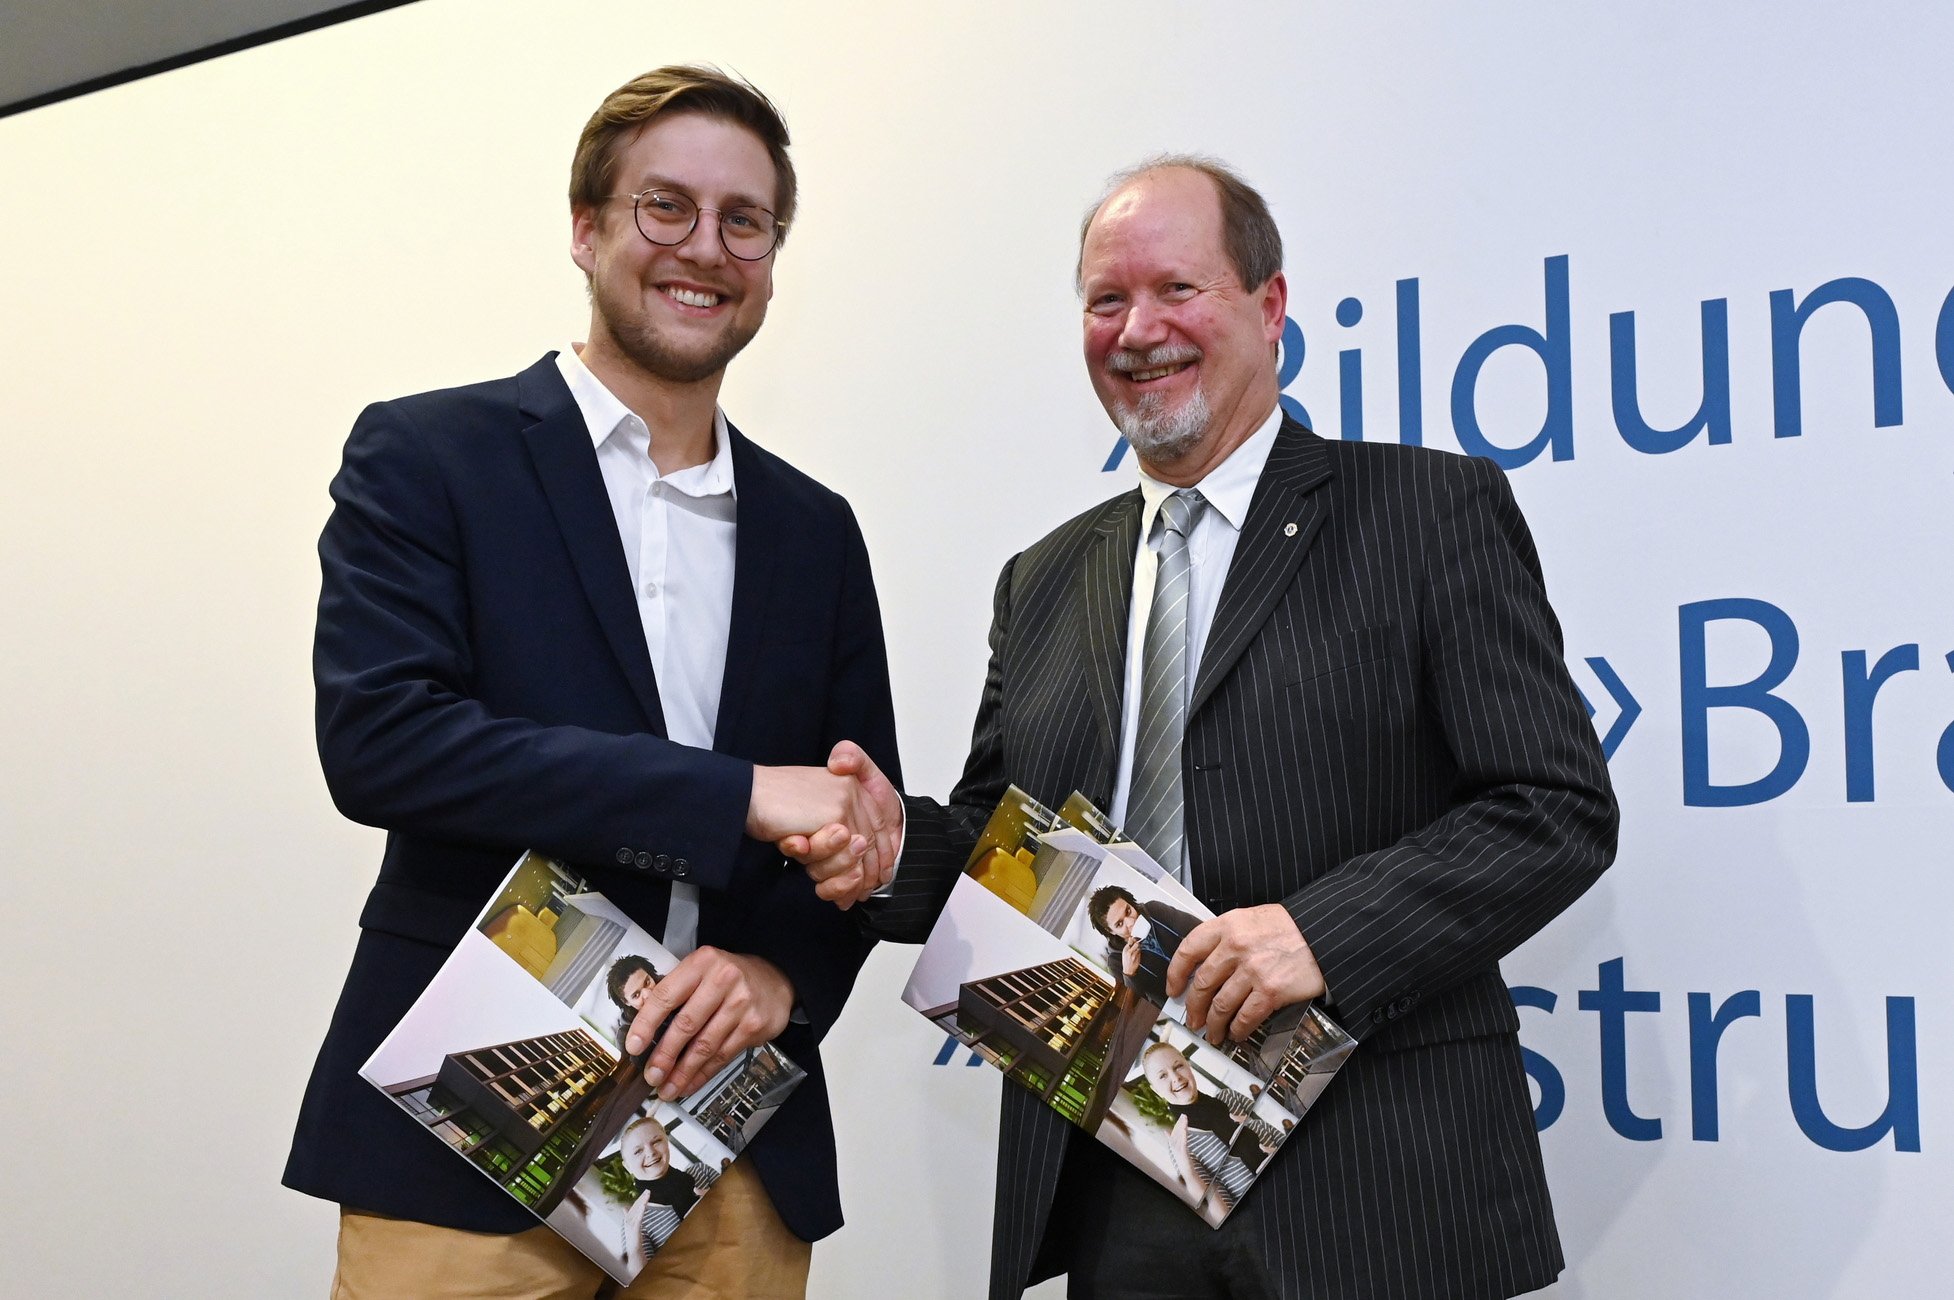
(514, 1057)
(1050, 962)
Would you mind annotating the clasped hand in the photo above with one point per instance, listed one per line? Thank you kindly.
(851, 854)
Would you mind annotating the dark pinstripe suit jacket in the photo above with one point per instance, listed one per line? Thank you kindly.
(1383, 738)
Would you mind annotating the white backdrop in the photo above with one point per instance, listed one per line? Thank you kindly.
(205, 275)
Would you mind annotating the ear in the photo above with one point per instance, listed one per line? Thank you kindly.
(1275, 307)
(583, 239)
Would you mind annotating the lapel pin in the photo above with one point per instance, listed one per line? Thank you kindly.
(1289, 530)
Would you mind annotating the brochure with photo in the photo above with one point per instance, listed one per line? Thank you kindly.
(514, 1057)
(1050, 962)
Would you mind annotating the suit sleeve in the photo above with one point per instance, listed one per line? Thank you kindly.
(405, 747)
(816, 945)
(938, 837)
(1533, 821)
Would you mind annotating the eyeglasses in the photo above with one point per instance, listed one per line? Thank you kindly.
(666, 217)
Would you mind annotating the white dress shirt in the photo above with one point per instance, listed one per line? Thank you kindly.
(678, 532)
(1228, 488)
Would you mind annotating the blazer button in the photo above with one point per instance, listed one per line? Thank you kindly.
(643, 859)
(662, 861)
(624, 858)
(681, 868)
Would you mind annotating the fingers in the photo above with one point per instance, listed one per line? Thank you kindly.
(1239, 968)
(864, 845)
(1241, 1005)
(724, 1036)
(671, 992)
(697, 985)
(1256, 1008)
(719, 1004)
(840, 863)
(1200, 941)
(835, 862)
(843, 890)
(881, 805)
(848, 759)
(834, 858)
(816, 851)
(1202, 986)
(836, 883)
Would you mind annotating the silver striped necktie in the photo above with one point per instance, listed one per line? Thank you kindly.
(1156, 804)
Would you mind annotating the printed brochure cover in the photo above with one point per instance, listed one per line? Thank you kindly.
(1050, 962)
(514, 1056)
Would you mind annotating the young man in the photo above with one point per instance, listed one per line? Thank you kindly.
(576, 610)
(1142, 937)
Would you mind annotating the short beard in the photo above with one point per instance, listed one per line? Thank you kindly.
(1162, 436)
(656, 357)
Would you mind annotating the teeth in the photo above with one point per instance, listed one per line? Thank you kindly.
(1159, 372)
(692, 298)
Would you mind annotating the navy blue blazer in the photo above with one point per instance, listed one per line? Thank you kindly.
(484, 687)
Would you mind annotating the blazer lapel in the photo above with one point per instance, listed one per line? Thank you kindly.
(756, 553)
(1284, 516)
(1105, 597)
(560, 447)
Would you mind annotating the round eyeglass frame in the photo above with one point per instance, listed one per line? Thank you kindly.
(638, 219)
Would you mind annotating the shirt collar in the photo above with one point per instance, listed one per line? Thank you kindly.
(606, 418)
(1228, 487)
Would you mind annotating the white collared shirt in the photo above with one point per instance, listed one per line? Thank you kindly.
(678, 531)
(1228, 488)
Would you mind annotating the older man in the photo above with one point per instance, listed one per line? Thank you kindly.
(1322, 681)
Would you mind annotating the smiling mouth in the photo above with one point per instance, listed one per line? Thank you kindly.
(691, 297)
(1156, 372)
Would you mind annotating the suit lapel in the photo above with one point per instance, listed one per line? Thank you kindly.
(756, 553)
(560, 447)
(1283, 519)
(1105, 598)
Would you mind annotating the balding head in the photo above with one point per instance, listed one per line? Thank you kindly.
(1248, 233)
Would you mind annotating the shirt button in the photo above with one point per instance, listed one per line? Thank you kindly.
(651, 588)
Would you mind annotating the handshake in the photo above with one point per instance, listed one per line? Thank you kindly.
(842, 823)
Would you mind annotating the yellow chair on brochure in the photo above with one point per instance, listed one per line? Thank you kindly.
(1009, 876)
(525, 936)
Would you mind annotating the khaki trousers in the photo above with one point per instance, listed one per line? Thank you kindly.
(733, 1245)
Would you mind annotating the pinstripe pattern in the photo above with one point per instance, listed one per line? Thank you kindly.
(1155, 812)
(1384, 739)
